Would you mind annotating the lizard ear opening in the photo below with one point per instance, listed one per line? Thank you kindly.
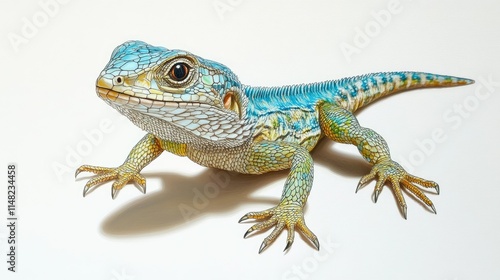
(231, 102)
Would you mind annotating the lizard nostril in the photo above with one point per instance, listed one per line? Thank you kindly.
(118, 80)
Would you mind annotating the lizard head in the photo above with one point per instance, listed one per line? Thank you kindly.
(174, 94)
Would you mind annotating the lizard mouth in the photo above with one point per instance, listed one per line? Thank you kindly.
(126, 100)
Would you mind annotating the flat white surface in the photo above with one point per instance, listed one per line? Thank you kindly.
(50, 117)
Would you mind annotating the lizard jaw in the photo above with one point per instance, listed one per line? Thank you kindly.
(198, 120)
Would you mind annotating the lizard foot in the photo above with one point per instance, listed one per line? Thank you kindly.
(281, 216)
(393, 172)
(122, 174)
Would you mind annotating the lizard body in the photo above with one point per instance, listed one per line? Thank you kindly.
(194, 107)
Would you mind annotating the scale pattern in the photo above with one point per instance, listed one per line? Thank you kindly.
(194, 107)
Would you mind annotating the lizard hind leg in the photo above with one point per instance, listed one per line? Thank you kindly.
(342, 126)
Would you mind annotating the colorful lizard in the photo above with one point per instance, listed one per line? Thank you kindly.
(194, 107)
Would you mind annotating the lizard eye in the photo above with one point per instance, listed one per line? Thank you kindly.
(179, 71)
(176, 73)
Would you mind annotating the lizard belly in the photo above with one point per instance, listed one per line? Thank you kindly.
(297, 126)
(231, 159)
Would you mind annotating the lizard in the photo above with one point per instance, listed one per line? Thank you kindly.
(195, 107)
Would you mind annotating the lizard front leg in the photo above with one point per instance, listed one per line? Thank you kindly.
(268, 156)
(342, 126)
(144, 152)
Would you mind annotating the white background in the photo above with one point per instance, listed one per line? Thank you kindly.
(51, 122)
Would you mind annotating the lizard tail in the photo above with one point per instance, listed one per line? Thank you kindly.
(360, 91)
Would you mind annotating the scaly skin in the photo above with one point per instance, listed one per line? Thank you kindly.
(197, 108)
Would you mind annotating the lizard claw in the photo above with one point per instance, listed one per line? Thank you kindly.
(247, 232)
(244, 218)
(405, 211)
(141, 188)
(114, 192)
(263, 246)
(288, 245)
(433, 209)
(86, 190)
(376, 194)
(315, 241)
(358, 187)
(77, 171)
